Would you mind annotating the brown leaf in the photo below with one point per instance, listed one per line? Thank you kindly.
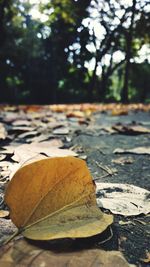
(76, 114)
(131, 129)
(55, 198)
(24, 254)
(119, 112)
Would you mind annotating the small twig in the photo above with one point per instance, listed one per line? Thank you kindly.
(102, 177)
(2, 201)
(107, 239)
(106, 168)
(141, 222)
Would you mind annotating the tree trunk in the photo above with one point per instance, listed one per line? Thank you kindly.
(92, 83)
(124, 96)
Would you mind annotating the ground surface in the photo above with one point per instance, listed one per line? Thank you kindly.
(91, 136)
(134, 236)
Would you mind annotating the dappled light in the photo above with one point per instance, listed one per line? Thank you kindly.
(74, 51)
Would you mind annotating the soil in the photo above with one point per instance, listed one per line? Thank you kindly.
(134, 236)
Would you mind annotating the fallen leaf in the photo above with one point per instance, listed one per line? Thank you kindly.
(76, 114)
(3, 132)
(119, 112)
(23, 129)
(30, 255)
(25, 152)
(51, 143)
(55, 198)
(137, 150)
(4, 213)
(123, 160)
(108, 129)
(39, 138)
(61, 130)
(21, 123)
(131, 129)
(147, 259)
(7, 150)
(124, 199)
(2, 157)
(27, 134)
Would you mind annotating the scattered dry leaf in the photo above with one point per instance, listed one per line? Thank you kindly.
(119, 111)
(4, 213)
(147, 259)
(2, 157)
(55, 198)
(51, 143)
(61, 130)
(123, 160)
(25, 152)
(21, 123)
(76, 114)
(137, 150)
(23, 129)
(29, 255)
(3, 132)
(131, 129)
(123, 199)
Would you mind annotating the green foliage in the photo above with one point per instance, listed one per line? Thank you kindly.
(46, 62)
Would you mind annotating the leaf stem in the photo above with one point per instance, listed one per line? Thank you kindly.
(12, 237)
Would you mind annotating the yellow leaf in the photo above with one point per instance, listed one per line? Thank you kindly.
(55, 198)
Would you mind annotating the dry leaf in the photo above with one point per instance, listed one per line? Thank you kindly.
(123, 199)
(76, 114)
(137, 150)
(147, 259)
(131, 129)
(39, 138)
(119, 112)
(61, 130)
(123, 160)
(25, 152)
(23, 129)
(21, 123)
(51, 143)
(2, 157)
(25, 254)
(55, 198)
(4, 213)
(27, 134)
(3, 132)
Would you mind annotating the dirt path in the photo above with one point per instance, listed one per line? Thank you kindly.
(134, 233)
(95, 138)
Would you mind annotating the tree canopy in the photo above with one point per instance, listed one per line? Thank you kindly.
(75, 51)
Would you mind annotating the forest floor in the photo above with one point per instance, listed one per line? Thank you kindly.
(115, 142)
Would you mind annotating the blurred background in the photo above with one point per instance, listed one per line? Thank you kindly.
(73, 51)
